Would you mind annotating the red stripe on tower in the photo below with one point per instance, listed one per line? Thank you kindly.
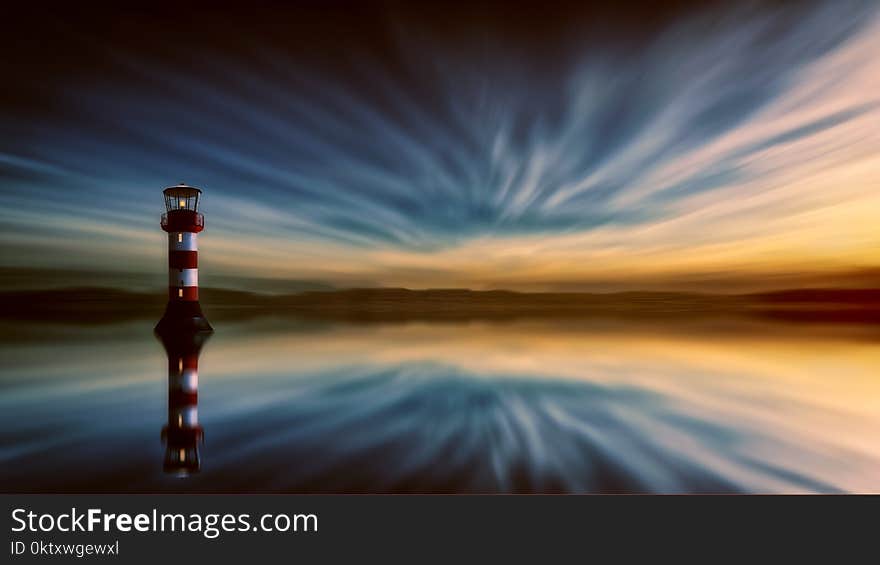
(183, 259)
(183, 294)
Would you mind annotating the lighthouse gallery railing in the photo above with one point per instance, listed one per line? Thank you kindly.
(198, 219)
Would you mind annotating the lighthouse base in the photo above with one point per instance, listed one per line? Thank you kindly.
(183, 317)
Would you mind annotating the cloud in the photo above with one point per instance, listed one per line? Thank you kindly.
(743, 140)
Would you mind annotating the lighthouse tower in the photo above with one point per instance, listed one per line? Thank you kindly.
(182, 433)
(183, 222)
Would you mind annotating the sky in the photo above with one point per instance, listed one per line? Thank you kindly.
(720, 147)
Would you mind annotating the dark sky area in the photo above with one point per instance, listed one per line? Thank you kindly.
(515, 145)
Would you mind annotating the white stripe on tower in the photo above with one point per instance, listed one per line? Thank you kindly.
(185, 416)
(186, 381)
(183, 241)
(183, 277)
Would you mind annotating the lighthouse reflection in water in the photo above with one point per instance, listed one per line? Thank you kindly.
(182, 433)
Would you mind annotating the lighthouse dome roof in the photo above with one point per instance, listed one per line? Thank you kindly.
(182, 190)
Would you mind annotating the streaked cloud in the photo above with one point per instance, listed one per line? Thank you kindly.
(744, 143)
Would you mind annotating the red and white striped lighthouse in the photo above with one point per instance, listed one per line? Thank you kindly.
(183, 222)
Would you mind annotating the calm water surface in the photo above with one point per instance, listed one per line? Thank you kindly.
(479, 407)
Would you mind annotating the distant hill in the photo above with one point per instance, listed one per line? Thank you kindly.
(101, 305)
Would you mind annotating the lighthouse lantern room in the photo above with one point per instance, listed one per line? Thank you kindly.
(182, 209)
(182, 197)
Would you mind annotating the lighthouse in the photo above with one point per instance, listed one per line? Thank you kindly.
(182, 433)
(183, 222)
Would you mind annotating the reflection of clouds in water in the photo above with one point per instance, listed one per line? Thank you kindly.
(453, 407)
(427, 427)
